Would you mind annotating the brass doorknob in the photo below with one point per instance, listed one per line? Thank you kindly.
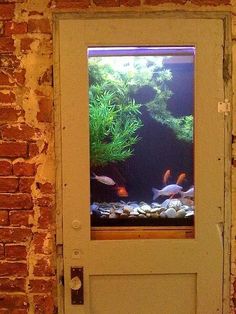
(75, 283)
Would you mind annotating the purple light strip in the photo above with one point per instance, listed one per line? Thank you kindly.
(140, 51)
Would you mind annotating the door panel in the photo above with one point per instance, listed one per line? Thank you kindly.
(183, 271)
(159, 294)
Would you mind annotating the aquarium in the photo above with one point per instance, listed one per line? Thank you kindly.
(141, 118)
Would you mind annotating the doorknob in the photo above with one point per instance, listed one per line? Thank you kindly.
(76, 285)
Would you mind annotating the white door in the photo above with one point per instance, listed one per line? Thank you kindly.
(142, 276)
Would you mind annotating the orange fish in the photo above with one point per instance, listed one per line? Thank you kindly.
(166, 176)
(181, 178)
(121, 191)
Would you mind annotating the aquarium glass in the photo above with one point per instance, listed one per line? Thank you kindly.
(141, 106)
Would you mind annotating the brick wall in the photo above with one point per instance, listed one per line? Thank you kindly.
(27, 180)
(27, 228)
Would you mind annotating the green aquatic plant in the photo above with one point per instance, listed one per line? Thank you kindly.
(112, 127)
(103, 77)
(181, 126)
(157, 107)
(114, 113)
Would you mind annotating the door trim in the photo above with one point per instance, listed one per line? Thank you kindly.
(227, 71)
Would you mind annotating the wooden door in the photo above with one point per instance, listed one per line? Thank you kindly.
(139, 276)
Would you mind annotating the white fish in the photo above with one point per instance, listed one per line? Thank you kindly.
(104, 179)
(189, 193)
(168, 190)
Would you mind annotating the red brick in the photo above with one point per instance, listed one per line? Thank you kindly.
(1, 28)
(8, 113)
(19, 132)
(9, 61)
(6, 45)
(8, 184)
(210, 2)
(45, 78)
(11, 149)
(130, 3)
(13, 301)
(15, 201)
(107, 3)
(31, 13)
(24, 169)
(42, 285)
(234, 303)
(7, 97)
(13, 269)
(13, 235)
(12, 285)
(44, 304)
(25, 44)
(6, 11)
(15, 28)
(45, 110)
(25, 184)
(39, 26)
(46, 218)
(12, 77)
(79, 4)
(5, 79)
(4, 219)
(21, 218)
(33, 150)
(156, 2)
(19, 77)
(19, 311)
(5, 168)
(43, 243)
(2, 251)
(44, 201)
(44, 267)
(45, 188)
(15, 252)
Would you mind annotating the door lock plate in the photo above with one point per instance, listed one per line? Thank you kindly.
(76, 284)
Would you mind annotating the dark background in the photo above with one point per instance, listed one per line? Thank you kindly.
(157, 150)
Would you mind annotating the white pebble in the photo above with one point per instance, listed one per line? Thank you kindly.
(170, 213)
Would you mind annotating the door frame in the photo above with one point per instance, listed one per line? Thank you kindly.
(227, 76)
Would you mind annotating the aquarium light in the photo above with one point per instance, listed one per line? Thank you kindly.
(141, 51)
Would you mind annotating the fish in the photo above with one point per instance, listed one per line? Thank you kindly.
(166, 176)
(94, 210)
(181, 178)
(168, 190)
(103, 179)
(188, 193)
(187, 201)
(121, 191)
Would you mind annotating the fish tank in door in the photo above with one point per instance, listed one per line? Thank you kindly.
(141, 106)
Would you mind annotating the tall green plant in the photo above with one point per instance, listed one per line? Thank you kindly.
(114, 115)
(112, 127)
